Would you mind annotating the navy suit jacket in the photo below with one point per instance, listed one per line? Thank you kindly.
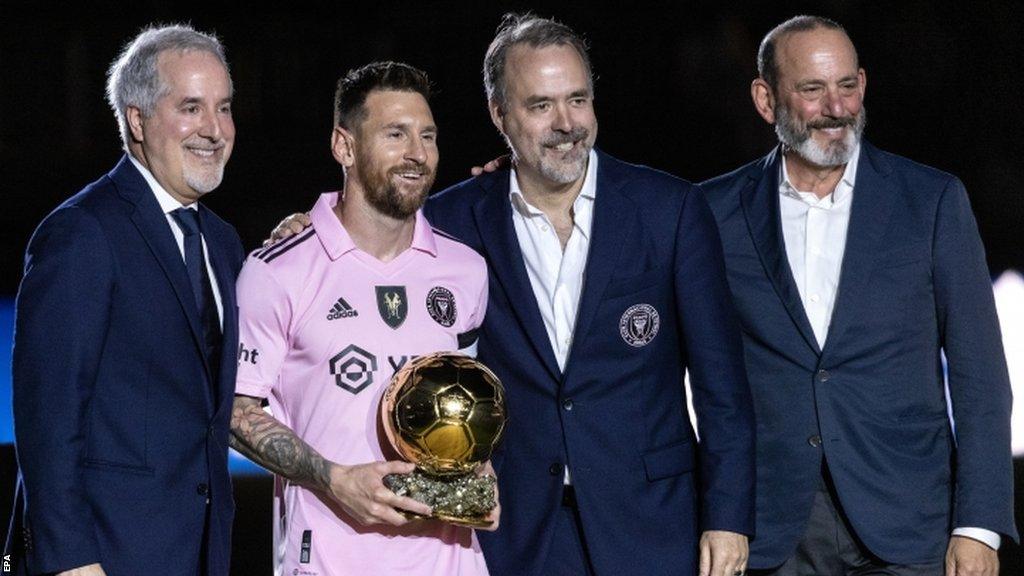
(914, 284)
(617, 415)
(120, 438)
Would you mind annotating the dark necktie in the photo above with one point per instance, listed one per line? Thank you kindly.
(202, 289)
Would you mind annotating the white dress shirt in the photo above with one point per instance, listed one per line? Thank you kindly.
(168, 204)
(556, 275)
(814, 231)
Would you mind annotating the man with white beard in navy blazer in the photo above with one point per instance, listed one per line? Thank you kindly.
(853, 271)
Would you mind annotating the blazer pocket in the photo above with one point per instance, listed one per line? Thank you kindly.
(634, 284)
(915, 252)
(669, 461)
(116, 467)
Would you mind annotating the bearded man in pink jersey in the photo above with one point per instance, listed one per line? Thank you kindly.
(328, 316)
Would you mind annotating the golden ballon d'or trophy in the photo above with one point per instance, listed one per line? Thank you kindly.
(445, 412)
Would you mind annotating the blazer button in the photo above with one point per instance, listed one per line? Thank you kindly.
(814, 441)
(567, 404)
(823, 376)
(202, 489)
(555, 469)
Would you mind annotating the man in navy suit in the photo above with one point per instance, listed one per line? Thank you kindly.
(853, 271)
(124, 351)
(607, 284)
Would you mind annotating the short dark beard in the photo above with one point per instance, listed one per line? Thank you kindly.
(384, 196)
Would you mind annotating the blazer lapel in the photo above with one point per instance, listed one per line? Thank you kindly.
(613, 214)
(873, 197)
(493, 213)
(154, 229)
(760, 201)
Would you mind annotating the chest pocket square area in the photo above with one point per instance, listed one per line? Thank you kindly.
(618, 287)
(904, 255)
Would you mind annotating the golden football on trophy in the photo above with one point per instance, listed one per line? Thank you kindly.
(445, 412)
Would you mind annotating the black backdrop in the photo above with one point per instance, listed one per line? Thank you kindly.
(944, 86)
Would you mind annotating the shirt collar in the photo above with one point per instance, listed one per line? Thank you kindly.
(336, 240)
(843, 190)
(167, 202)
(583, 206)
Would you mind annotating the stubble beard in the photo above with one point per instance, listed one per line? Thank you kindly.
(563, 170)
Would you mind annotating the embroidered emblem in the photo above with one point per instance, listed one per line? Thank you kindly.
(639, 325)
(441, 306)
(392, 305)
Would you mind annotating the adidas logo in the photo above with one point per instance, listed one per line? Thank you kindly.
(341, 309)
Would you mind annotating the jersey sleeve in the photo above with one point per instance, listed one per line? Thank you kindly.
(468, 338)
(264, 317)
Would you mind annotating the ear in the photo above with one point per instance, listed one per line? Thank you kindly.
(497, 115)
(343, 147)
(863, 77)
(764, 99)
(134, 117)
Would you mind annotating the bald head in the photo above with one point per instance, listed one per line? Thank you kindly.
(774, 42)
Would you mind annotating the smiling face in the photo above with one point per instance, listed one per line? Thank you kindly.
(817, 105)
(188, 138)
(548, 119)
(395, 154)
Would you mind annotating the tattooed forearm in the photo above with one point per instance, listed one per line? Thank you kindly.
(269, 443)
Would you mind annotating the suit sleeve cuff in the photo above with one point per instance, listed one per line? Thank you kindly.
(986, 537)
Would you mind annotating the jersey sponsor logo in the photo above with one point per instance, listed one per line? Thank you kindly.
(441, 306)
(341, 309)
(245, 355)
(639, 325)
(392, 305)
(353, 369)
(307, 546)
(397, 362)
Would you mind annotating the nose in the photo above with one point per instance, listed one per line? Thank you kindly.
(561, 122)
(210, 127)
(416, 151)
(833, 103)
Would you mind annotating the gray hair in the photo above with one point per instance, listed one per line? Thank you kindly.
(133, 79)
(534, 31)
(767, 65)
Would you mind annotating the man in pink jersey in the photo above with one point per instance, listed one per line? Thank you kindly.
(328, 316)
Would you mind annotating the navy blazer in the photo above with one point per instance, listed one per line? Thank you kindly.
(617, 415)
(120, 438)
(914, 284)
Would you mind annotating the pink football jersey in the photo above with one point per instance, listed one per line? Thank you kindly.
(323, 327)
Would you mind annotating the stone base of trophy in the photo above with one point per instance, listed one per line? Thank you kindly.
(465, 500)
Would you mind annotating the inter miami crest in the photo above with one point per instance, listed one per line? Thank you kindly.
(441, 306)
(639, 325)
(392, 305)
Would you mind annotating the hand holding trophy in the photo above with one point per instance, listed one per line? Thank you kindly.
(445, 412)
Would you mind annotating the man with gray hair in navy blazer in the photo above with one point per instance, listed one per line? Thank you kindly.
(607, 284)
(853, 272)
(121, 408)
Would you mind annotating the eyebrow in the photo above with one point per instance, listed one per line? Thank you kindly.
(536, 99)
(819, 82)
(198, 100)
(405, 126)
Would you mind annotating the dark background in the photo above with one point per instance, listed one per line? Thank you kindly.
(944, 88)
